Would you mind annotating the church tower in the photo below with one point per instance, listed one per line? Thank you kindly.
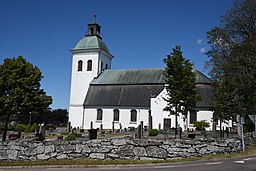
(90, 57)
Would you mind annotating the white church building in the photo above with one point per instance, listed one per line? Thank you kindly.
(127, 96)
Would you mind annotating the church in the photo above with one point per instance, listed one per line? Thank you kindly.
(104, 97)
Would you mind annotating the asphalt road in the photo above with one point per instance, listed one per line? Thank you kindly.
(246, 163)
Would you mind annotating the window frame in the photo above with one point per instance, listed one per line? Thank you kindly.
(89, 65)
(116, 115)
(99, 114)
(80, 65)
(133, 116)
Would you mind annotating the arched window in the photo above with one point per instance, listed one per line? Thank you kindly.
(80, 66)
(89, 65)
(133, 115)
(116, 115)
(106, 66)
(99, 114)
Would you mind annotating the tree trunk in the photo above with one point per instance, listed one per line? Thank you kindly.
(6, 127)
(176, 122)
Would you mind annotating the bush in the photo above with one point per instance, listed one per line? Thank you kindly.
(20, 127)
(34, 127)
(27, 128)
(71, 137)
(201, 125)
(153, 132)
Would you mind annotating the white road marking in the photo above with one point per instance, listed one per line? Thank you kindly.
(240, 162)
(213, 163)
(162, 167)
(247, 159)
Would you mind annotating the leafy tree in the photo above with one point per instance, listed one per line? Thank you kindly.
(55, 117)
(20, 92)
(233, 61)
(58, 117)
(182, 94)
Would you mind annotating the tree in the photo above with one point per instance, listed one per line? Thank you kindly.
(20, 92)
(57, 117)
(182, 94)
(233, 61)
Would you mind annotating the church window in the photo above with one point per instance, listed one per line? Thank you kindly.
(89, 65)
(193, 117)
(106, 66)
(116, 115)
(133, 115)
(99, 114)
(80, 65)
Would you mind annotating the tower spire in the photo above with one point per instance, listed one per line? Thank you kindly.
(94, 16)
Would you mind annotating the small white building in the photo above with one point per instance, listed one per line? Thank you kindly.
(102, 96)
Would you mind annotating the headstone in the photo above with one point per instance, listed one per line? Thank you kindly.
(91, 125)
(69, 127)
(139, 131)
(113, 126)
(141, 126)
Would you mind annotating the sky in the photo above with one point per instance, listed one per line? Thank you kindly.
(139, 33)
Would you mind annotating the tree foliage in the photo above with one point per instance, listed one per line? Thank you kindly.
(182, 93)
(20, 92)
(56, 117)
(233, 61)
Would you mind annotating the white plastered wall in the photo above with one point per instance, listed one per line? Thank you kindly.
(80, 81)
(90, 115)
(158, 114)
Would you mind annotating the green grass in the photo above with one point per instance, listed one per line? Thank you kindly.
(94, 163)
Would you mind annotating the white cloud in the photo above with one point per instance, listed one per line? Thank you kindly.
(199, 41)
(203, 50)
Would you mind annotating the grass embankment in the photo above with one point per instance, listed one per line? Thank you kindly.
(91, 163)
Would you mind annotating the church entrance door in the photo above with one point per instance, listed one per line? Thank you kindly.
(167, 123)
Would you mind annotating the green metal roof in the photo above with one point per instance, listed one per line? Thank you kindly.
(91, 42)
(135, 87)
(131, 76)
(140, 76)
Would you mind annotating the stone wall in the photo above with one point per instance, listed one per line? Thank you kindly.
(132, 149)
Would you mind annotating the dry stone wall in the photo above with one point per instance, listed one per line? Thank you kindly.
(131, 149)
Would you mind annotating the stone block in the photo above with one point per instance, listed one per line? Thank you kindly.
(156, 152)
(12, 154)
(100, 156)
(113, 156)
(83, 149)
(62, 156)
(49, 149)
(40, 149)
(119, 142)
(43, 157)
(140, 151)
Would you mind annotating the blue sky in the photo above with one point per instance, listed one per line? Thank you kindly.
(139, 33)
